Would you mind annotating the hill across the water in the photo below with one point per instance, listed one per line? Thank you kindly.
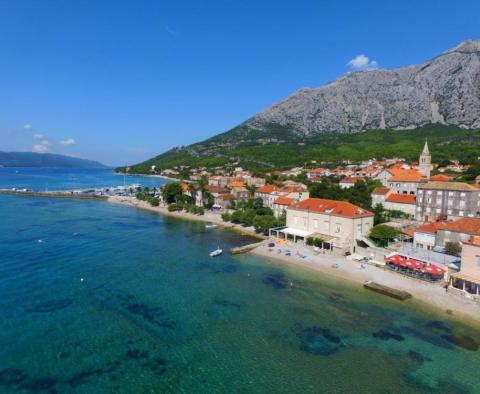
(31, 159)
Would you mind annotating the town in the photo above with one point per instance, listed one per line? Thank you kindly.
(384, 212)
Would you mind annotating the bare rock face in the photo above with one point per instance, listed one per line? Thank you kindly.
(443, 90)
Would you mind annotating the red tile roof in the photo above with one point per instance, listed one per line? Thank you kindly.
(284, 201)
(441, 178)
(267, 189)
(430, 228)
(352, 179)
(465, 225)
(227, 197)
(401, 198)
(381, 190)
(331, 207)
(401, 175)
(292, 189)
(217, 189)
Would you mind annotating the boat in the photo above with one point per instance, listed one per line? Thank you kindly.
(210, 225)
(216, 252)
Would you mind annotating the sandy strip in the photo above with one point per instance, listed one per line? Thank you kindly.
(208, 217)
(425, 295)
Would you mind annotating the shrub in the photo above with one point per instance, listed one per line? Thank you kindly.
(154, 201)
(226, 217)
(453, 248)
(381, 234)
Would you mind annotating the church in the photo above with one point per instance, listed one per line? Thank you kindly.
(404, 179)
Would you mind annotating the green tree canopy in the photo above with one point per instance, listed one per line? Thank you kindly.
(381, 234)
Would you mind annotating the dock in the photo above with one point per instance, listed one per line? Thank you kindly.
(388, 291)
(246, 248)
(52, 194)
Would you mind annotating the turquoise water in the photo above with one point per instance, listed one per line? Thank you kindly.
(101, 298)
(42, 179)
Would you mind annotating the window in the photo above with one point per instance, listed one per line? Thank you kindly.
(315, 223)
(295, 220)
(477, 260)
(338, 227)
(359, 229)
(326, 225)
(439, 210)
(460, 213)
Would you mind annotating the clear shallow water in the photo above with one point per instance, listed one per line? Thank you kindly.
(155, 314)
(41, 179)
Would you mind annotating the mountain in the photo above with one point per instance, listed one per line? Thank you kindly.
(444, 91)
(31, 159)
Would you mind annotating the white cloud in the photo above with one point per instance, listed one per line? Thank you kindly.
(362, 63)
(40, 148)
(68, 141)
(43, 146)
(38, 136)
(27, 126)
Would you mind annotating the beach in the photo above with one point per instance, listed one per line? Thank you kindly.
(208, 217)
(425, 294)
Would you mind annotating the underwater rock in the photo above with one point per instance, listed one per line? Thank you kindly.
(418, 357)
(439, 325)
(462, 341)
(278, 281)
(12, 376)
(319, 341)
(385, 335)
(49, 306)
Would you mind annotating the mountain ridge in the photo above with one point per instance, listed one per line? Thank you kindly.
(32, 159)
(443, 91)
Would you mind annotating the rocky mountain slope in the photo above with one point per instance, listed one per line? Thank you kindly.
(443, 90)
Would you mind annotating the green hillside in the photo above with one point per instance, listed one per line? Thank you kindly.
(278, 147)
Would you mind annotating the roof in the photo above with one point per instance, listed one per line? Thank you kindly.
(331, 207)
(267, 189)
(293, 189)
(352, 179)
(430, 228)
(402, 198)
(409, 231)
(403, 175)
(284, 201)
(465, 225)
(316, 171)
(217, 189)
(227, 197)
(381, 190)
(425, 149)
(236, 183)
(475, 241)
(455, 186)
(441, 178)
(185, 187)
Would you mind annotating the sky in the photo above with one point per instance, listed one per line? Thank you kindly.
(122, 81)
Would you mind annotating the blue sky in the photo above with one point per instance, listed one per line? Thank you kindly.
(121, 81)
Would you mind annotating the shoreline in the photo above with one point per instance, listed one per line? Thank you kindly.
(208, 217)
(149, 176)
(430, 297)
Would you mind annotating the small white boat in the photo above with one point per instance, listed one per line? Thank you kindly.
(216, 252)
(210, 225)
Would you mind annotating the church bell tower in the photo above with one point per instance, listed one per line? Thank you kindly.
(425, 162)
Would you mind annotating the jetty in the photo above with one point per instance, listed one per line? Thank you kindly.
(246, 248)
(52, 194)
(386, 290)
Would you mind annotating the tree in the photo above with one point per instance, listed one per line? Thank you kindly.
(453, 248)
(248, 216)
(263, 223)
(379, 214)
(172, 193)
(237, 216)
(359, 195)
(257, 203)
(251, 190)
(381, 234)
(226, 217)
(281, 220)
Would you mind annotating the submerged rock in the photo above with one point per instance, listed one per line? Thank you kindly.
(463, 341)
(319, 341)
(385, 335)
(49, 306)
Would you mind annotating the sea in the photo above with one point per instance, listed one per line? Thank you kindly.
(104, 298)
